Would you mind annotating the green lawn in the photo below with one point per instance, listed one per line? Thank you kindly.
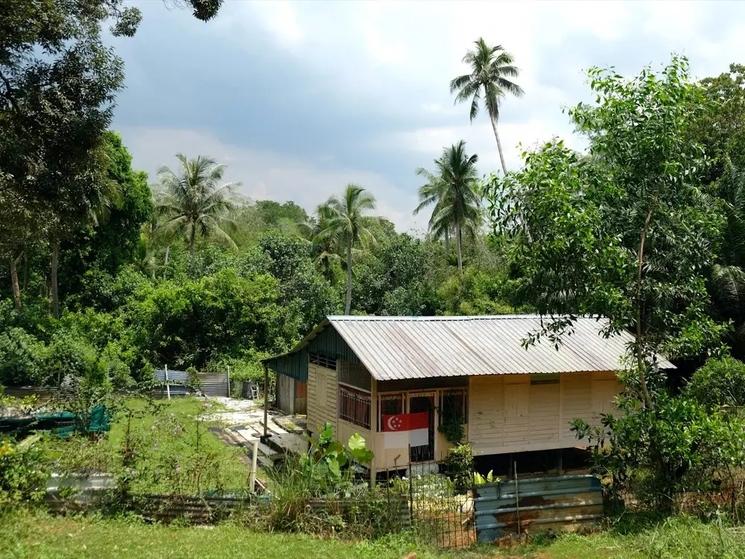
(39, 536)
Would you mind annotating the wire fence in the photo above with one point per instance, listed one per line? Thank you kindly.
(439, 513)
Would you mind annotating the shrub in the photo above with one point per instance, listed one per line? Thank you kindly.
(720, 382)
(459, 466)
(22, 474)
(71, 355)
(21, 357)
(327, 471)
(662, 452)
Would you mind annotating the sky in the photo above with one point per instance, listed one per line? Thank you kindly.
(300, 99)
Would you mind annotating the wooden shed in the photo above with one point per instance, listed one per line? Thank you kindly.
(472, 370)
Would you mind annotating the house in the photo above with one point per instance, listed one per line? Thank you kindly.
(471, 373)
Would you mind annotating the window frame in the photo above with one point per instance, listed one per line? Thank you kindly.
(401, 396)
(464, 403)
(359, 398)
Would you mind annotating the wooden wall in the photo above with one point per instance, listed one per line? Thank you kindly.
(322, 397)
(509, 414)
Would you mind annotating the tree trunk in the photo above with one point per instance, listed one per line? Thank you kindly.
(165, 260)
(53, 269)
(459, 246)
(15, 285)
(647, 399)
(493, 119)
(25, 271)
(348, 298)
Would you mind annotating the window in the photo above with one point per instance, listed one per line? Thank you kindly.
(354, 406)
(453, 406)
(544, 378)
(389, 404)
(322, 360)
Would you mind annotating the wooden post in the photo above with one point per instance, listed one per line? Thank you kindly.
(517, 502)
(168, 385)
(254, 460)
(228, 382)
(266, 401)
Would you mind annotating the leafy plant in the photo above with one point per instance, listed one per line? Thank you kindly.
(660, 453)
(478, 479)
(459, 466)
(330, 461)
(719, 383)
(23, 474)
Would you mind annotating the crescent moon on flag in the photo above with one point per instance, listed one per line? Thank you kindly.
(391, 421)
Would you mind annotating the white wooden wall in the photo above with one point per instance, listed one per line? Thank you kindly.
(508, 414)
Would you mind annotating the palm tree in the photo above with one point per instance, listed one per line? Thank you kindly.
(343, 220)
(452, 190)
(193, 201)
(491, 70)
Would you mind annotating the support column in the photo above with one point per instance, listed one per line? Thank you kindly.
(374, 431)
(266, 402)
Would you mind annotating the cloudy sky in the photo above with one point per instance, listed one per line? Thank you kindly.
(299, 99)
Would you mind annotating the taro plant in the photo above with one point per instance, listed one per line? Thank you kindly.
(327, 470)
(330, 465)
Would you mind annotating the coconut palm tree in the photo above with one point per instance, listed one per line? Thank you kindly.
(489, 81)
(193, 202)
(452, 190)
(343, 220)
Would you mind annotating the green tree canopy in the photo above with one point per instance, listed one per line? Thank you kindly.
(628, 232)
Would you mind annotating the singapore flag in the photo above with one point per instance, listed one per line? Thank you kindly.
(404, 429)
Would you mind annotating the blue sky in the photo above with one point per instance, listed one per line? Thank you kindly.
(299, 99)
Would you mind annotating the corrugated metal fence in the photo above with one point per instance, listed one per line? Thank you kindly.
(180, 383)
(561, 503)
(214, 384)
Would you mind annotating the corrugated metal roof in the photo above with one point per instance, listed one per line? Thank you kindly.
(395, 347)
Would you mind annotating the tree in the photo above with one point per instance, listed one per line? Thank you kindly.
(112, 240)
(344, 220)
(193, 201)
(57, 87)
(492, 70)
(452, 190)
(627, 232)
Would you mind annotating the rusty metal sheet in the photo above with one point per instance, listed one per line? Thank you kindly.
(559, 503)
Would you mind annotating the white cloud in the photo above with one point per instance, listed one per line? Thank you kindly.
(388, 65)
(268, 175)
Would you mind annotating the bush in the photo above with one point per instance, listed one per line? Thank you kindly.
(22, 475)
(662, 452)
(719, 383)
(459, 466)
(72, 356)
(327, 472)
(21, 357)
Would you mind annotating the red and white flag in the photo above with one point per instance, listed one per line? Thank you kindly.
(404, 429)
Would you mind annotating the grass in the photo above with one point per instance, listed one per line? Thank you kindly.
(36, 535)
